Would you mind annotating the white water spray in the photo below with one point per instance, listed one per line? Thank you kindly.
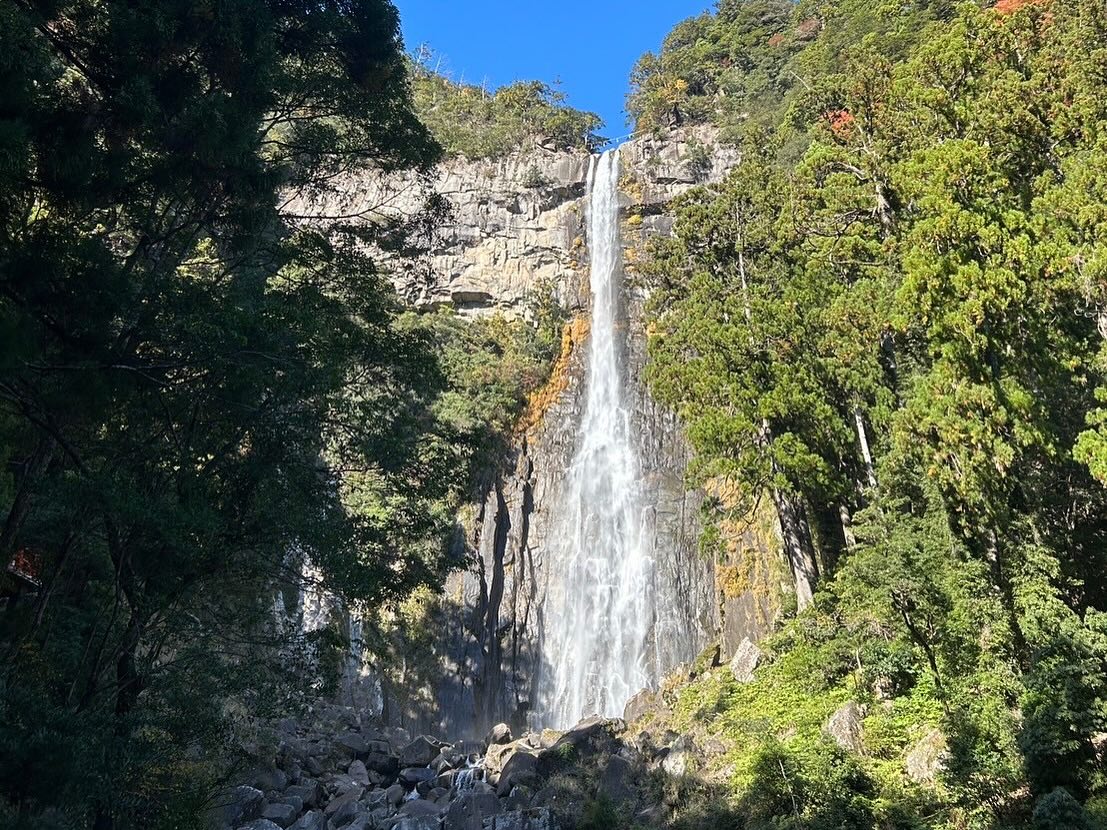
(600, 646)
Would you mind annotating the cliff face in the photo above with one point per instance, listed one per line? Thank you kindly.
(517, 228)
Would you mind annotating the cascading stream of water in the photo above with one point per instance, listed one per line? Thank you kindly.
(597, 644)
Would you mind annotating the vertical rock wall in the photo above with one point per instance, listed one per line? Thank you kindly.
(518, 227)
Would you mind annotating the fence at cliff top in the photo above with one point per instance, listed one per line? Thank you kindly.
(600, 614)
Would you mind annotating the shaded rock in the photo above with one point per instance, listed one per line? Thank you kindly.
(346, 814)
(280, 813)
(420, 807)
(420, 752)
(394, 795)
(521, 768)
(928, 758)
(537, 818)
(240, 805)
(468, 811)
(745, 661)
(269, 778)
(518, 799)
(498, 734)
(615, 781)
(846, 726)
(351, 796)
(315, 820)
(358, 773)
(293, 801)
(380, 761)
(417, 823)
(355, 743)
(259, 824)
(413, 776)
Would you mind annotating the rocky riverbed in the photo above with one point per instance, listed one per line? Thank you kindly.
(336, 772)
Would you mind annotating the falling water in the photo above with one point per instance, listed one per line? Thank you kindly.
(598, 627)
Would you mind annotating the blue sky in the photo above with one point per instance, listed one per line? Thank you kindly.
(591, 45)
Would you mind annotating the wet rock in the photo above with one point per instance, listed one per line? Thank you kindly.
(745, 661)
(928, 758)
(499, 734)
(846, 726)
(281, 813)
(420, 752)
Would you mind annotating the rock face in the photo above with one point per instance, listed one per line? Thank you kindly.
(517, 228)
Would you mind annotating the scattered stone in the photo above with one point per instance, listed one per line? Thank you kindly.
(355, 743)
(420, 752)
(745, 661)
(420, 807)
(349, 797)
(499, 734)
(538, 818)
(240, 805)
(259, 824)
(315, 820)
(468, 811)
(308, 790)
(928, 758)
(846, 726)
(358, 773)
(413, 776)
(280, 813)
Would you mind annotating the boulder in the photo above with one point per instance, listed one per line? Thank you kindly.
(420, 807)
(417, 823)
(745, 661)
(498, 757)
(268, 778)
(498, 734)
(354, 743)
(615, 780)
(469, 810)
(259, 824)
(846, 726)
(413, 776)
(928, 758)
(420, 752)
(240, 805)
(358, 773)
(309, 791)
(315, 820)
(293, 801)
(394, 795)
(521, 768)
(537, 818)
(642, 704)
(345, 814)
(680, 759)
(281, 814)
(351, 796)
(381, 761)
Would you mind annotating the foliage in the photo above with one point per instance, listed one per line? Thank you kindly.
(200, 386)
(477, 123)
(894, 326)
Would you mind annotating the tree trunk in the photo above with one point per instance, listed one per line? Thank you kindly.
(797, 546)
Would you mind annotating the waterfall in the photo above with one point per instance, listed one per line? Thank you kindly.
(599, 614)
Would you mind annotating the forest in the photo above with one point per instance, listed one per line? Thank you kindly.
(887, 326)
